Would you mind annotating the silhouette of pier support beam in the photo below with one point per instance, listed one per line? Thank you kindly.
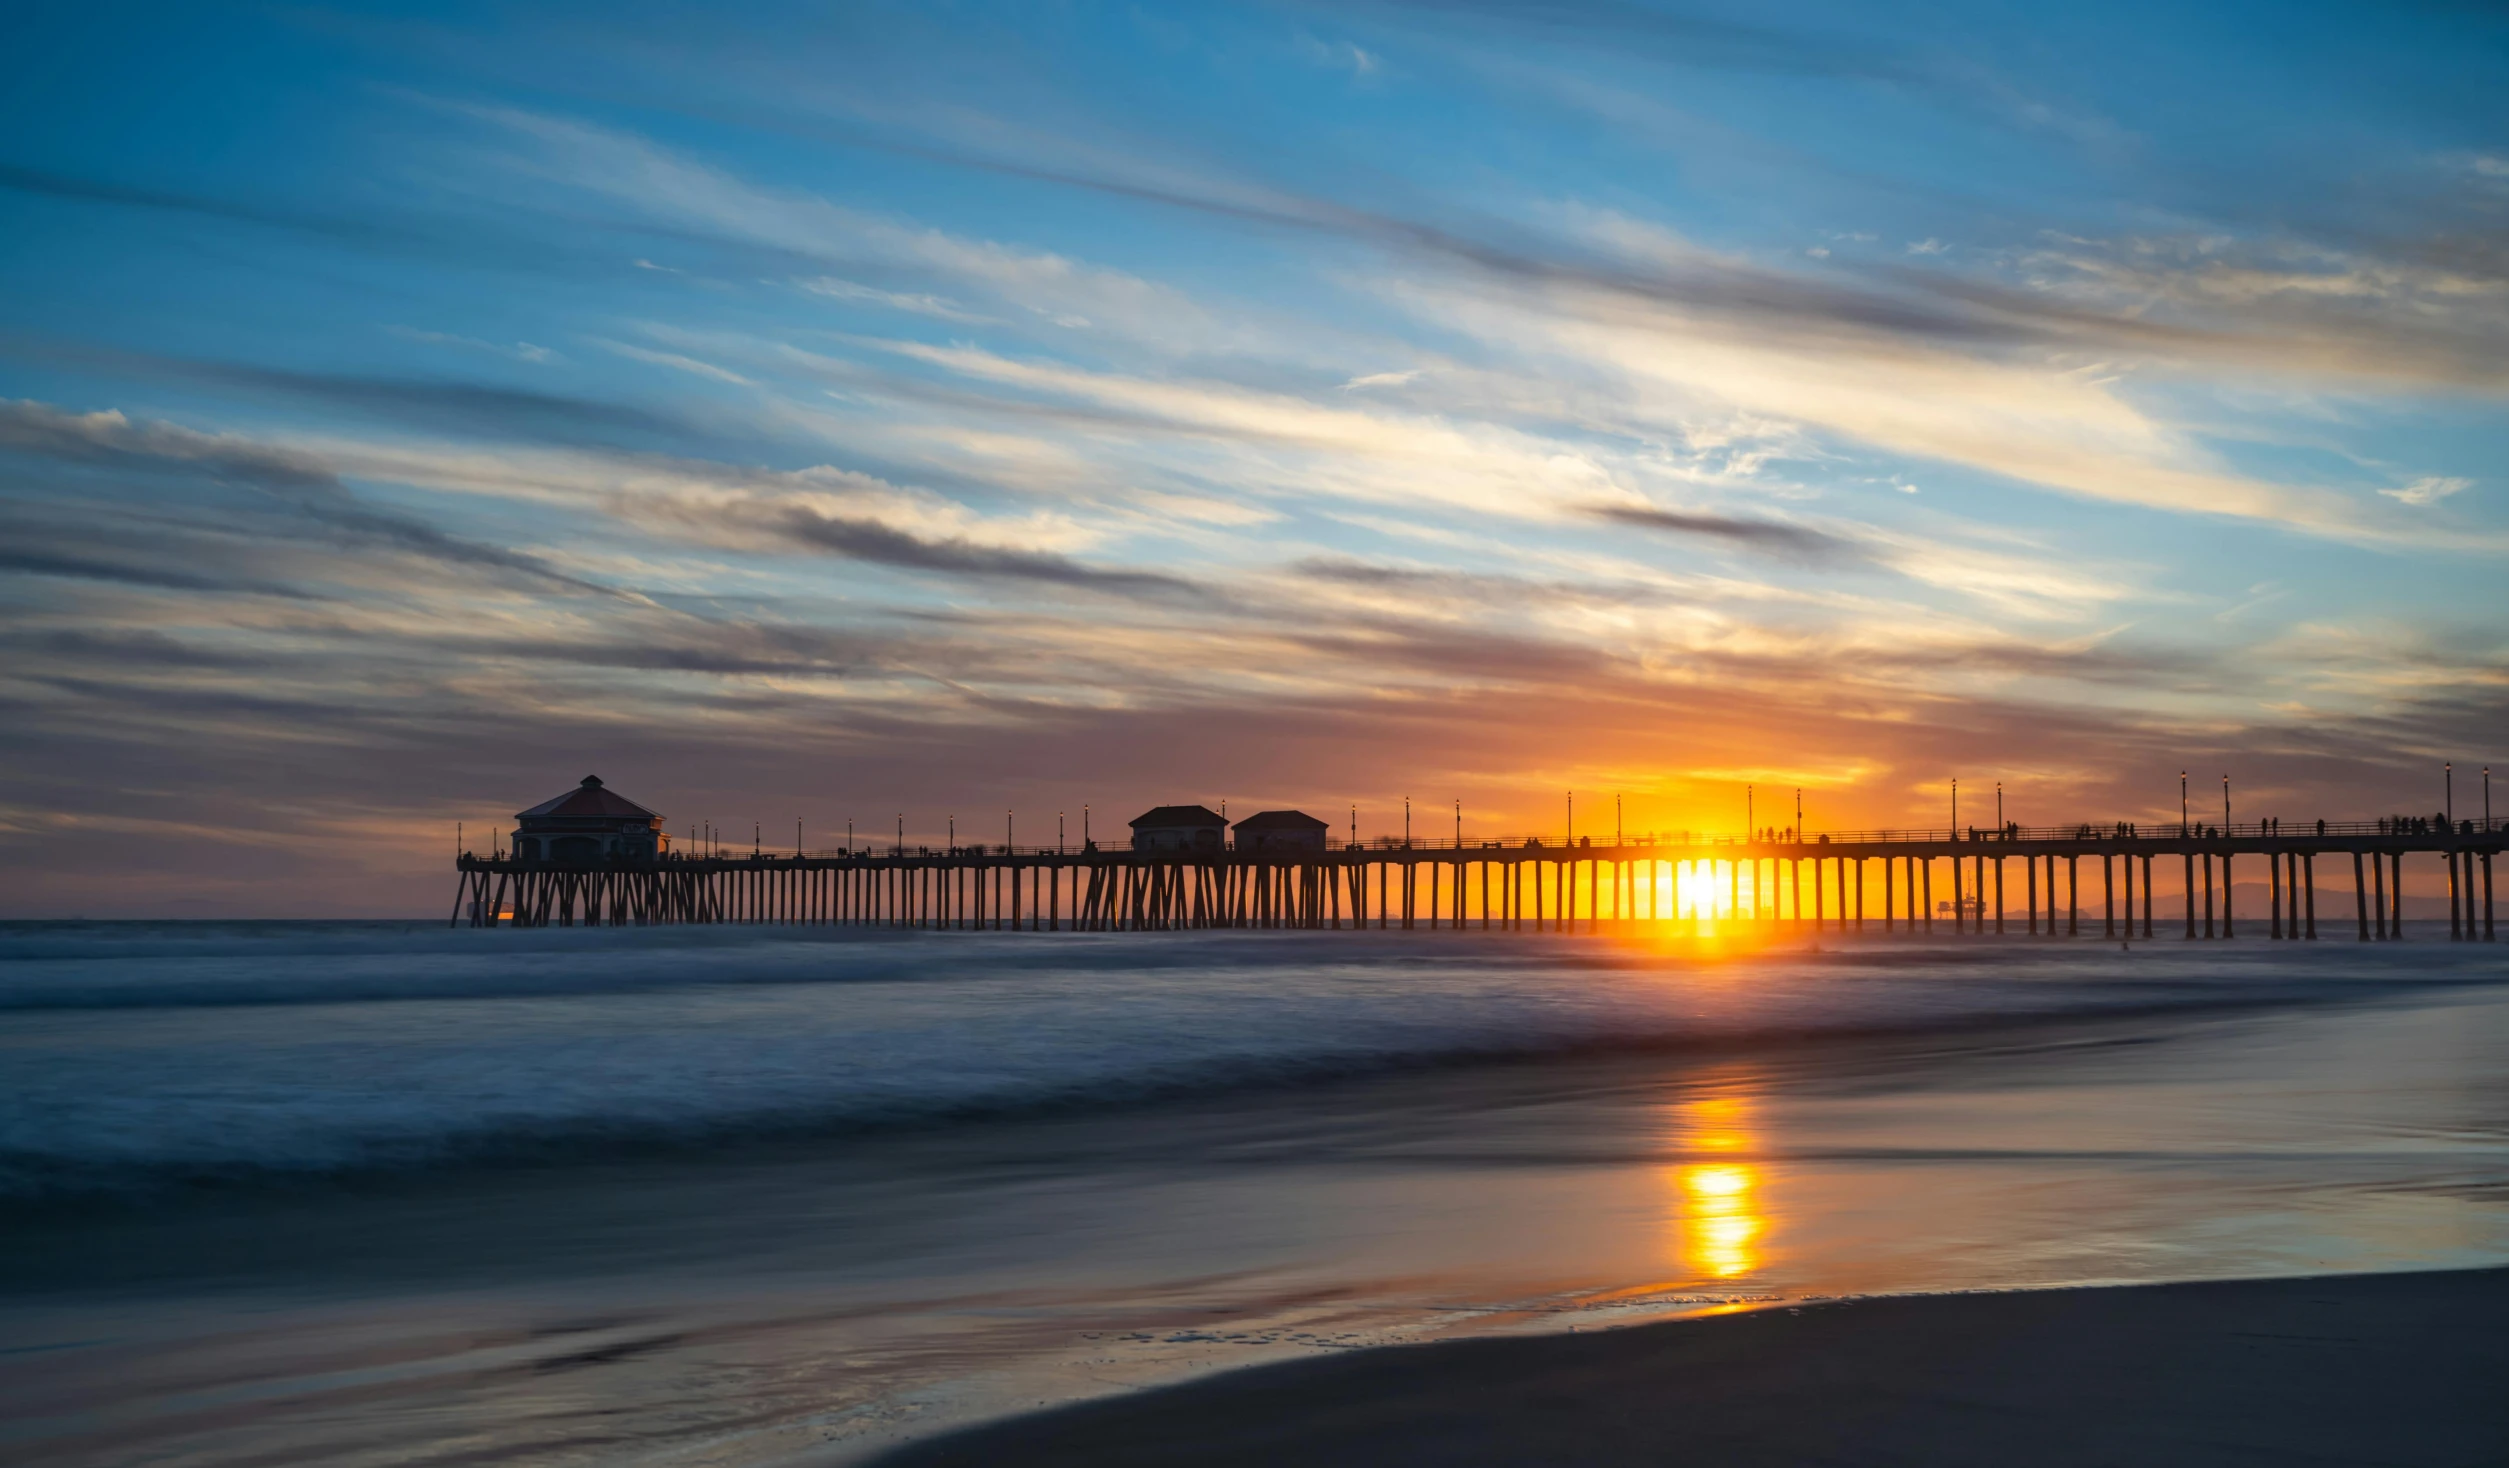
(1534, 888)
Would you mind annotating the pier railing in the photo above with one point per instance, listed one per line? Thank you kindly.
(2267, 830)
(2010, 835)
(1818, 882)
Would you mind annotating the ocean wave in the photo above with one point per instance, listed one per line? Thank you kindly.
(137, 1060)
(181, 965)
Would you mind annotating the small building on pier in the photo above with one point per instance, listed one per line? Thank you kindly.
(1281, 830)
(587, 825)
(1180, 828)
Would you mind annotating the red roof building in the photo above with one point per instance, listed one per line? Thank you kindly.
(587, 825)
(1281, 830)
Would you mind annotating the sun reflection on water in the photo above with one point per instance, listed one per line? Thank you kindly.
(1720, 1218)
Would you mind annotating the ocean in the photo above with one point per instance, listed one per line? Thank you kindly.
(383, 1192)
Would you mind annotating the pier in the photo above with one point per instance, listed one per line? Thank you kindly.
(2048, 882)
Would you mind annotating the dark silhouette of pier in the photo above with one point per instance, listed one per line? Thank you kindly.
(2070, 881)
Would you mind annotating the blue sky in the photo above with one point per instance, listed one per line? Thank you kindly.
(951, 409)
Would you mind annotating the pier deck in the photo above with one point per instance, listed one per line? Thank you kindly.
(2027, 881)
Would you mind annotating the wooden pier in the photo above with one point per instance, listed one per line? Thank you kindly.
(2014, 881)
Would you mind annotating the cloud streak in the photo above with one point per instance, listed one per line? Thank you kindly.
(1768, 536)
(870, 540)
(1951, 368)
(1061, 405)
(298, 482)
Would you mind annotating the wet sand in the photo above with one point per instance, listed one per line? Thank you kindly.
(2394, 1369)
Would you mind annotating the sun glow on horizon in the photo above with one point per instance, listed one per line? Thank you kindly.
(1691, 890)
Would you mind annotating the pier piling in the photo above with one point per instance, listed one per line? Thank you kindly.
(1530, 886)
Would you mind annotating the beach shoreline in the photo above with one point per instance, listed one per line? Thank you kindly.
(333, 1247)
(2393, 1369)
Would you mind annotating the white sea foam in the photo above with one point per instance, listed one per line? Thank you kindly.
(139, 1054)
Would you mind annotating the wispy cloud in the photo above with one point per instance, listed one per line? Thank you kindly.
(518, 351)
(1340, 55)
(2430, 489)
(870, 540)
(1046, 405)
(1688, 37)
(493, 409)
(1912, 363)
(1768, 536)
(919, 303)
(676, 362)
(666, 186)
(301, 483)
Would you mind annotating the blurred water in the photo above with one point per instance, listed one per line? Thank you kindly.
(138, 1055)
(356, 1193)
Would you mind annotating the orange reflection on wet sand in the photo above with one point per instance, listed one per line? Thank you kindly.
(1720, 1218)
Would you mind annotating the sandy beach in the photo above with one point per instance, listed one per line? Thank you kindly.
(2396, 1369)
